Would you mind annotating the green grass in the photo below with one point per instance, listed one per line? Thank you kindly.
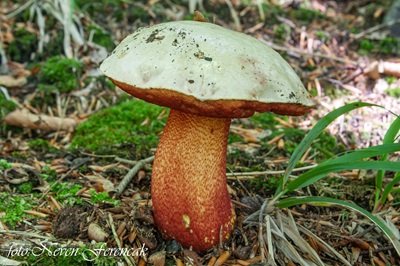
(357, 159)
(128, 129)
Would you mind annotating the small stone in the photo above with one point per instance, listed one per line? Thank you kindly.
(96, 233)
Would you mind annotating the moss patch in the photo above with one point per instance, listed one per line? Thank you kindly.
(129, 129)
(6, 106)
(13, 208)
(23, 45)
(60, 74)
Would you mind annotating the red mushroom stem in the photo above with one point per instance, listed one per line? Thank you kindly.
(189, 192)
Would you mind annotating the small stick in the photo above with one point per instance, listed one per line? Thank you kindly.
(110, 220)
(24, 234)
(233, 175)
(128, 177)
(305, 53)
(122, 160)
(376, 28)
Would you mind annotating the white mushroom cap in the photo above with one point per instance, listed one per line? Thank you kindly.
(205, 63)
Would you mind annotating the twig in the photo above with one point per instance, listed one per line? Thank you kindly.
(278, 172)
(302, 52)
(110, 220)
(122, 160)
(25, 234)
(128, 177)
(375, 28)
(19, 9)
(260, 230)
(234, 15)
(97, 155)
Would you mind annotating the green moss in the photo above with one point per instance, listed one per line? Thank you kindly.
(386, 46)
(306, 15)
(22, 155)
(23, 45)
(4, 165)
(48, 174)
(234, 138)
(66, 193)
(6, 106)
(395, 92)
(102, 197)
(25, 188)
(390, 79)
(41, 145)
(13, 207)
(101, 37)
(264, 120)
(59, 74)
(365, 47)
(271, 13)
(128, 129)
(266, 185)
(281, 31)
(322, 35)
(389, 45)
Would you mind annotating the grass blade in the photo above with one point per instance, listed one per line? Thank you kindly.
(324, 201)
(390, 137)
(388, 189)
(360, 154)
(321, 171)
(313, 134)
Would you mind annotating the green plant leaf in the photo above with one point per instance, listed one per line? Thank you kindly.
(390, 137)
(360, 154)
(324, 201)
(312, 135)
(388, 189)
(321, 171)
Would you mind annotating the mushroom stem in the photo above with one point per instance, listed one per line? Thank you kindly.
(189, 192)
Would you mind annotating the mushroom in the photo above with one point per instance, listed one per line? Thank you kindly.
(207, 75)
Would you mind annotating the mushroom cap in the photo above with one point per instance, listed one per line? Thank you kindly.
(205, 69)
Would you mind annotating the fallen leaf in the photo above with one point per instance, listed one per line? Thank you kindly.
(102, 183)
(10, 81)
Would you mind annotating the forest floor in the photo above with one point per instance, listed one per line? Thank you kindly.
(58, 181)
